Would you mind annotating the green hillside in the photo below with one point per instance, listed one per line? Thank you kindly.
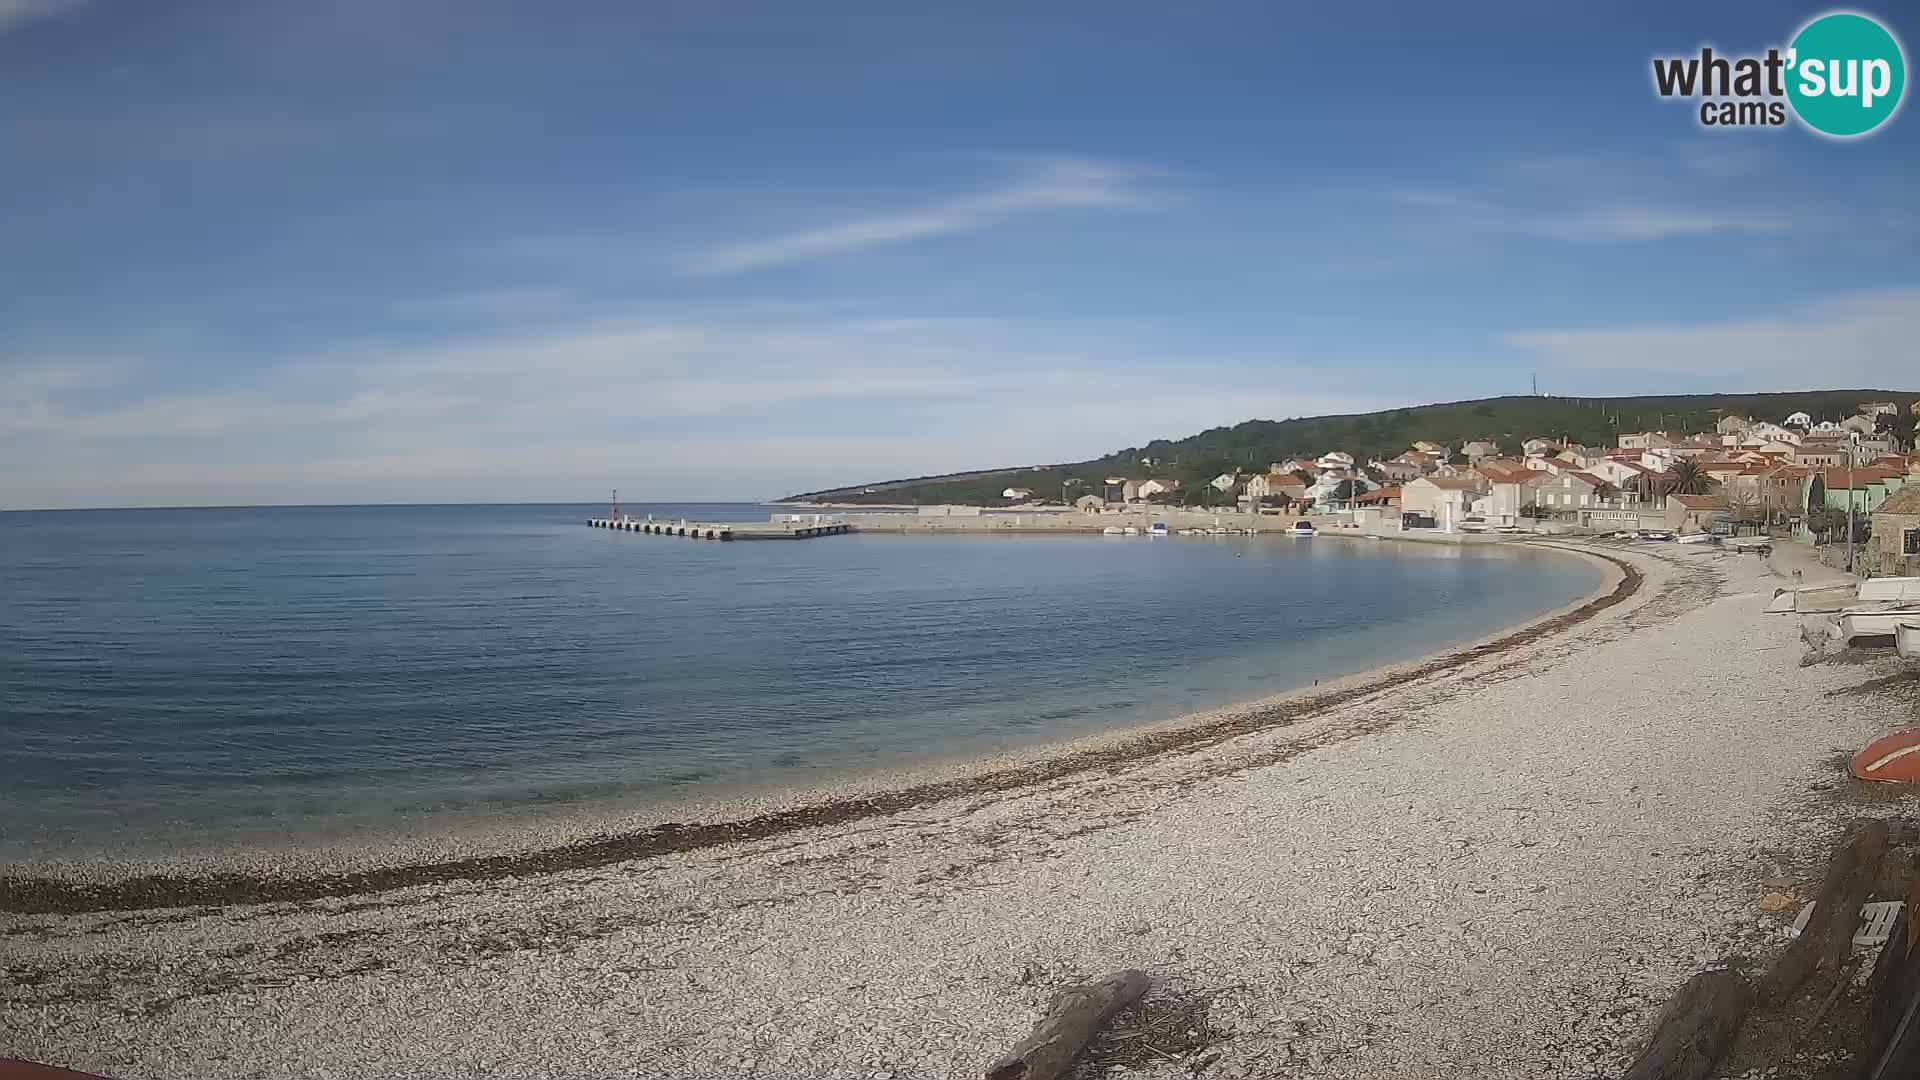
(1251, 446)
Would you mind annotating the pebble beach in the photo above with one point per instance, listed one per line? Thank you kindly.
(1499, 863)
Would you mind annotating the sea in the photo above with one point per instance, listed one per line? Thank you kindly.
(186, 679)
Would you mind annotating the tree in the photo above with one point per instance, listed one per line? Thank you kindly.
(1688, 479)
(1744, 508)
(1826, 520)
(1897, 427)
(1535, 511)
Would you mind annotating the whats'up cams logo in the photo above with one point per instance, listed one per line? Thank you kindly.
(1843, 76)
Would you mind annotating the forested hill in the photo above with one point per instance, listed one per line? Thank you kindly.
(1251, 446)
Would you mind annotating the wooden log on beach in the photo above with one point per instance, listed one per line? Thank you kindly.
(1696, 1028)
(1072, 1018)
(1828, 935)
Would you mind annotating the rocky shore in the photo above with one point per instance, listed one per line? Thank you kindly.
(1499, 865)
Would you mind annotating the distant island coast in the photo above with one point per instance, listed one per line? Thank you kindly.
(1685, 464)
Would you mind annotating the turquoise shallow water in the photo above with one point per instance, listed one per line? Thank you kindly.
(178, 677)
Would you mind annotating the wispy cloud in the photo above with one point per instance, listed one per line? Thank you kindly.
(698, 406)
(1860, 339)
(1598, 224)
(18, 13)
(1054, 185)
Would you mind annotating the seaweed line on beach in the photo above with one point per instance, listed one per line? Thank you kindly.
(23, 894)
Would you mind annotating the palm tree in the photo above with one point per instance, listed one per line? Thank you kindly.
(1687, 479)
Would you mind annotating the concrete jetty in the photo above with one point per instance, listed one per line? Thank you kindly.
(725, 531)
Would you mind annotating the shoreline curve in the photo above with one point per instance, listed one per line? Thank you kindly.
(43, 894)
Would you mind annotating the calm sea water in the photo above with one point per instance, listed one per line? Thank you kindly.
(178, 677)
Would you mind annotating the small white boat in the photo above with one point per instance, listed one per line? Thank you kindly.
(1861, 622)
(1159, 529)
(1906, 639)
(1130, 531)
(1694, 538)
(1891, 590)
(1300, 528)
(1111, 530)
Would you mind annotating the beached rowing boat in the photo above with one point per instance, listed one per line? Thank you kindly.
(1890, 590)
(1860, 622)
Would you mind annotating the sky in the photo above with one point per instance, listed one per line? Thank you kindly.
(468, 250)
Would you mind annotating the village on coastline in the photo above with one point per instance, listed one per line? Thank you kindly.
(1797, 477)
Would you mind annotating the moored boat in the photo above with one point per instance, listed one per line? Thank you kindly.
(1159, 528)
(1300, 528)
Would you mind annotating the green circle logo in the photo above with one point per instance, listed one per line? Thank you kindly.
(1846, 74)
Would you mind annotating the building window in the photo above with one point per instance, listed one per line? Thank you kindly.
(1910, 542)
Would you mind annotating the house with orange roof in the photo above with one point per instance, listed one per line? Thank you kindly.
(1571, 491)
(1695, 513)
(1864, 488)
(1396, 471)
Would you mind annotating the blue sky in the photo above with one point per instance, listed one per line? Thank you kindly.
(427, 250)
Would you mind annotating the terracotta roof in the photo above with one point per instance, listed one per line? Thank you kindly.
(1904, 501)
(1864, 476)
(1452, 483)
(1506, 474)
(1701, 502)
(1592, 480)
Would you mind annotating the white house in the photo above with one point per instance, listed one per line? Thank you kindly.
(1326, 489)
(1334, 459)
(1158, 487)
(1445, 499)
(1536, 447)
(1616, 471)
(1799, 420)
(1017, 493)
(1396, 471)
(1766, 432)
(1271, 484)
(1511, 489)
(1226, 481)
(1479, 449)
(1570, 491)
